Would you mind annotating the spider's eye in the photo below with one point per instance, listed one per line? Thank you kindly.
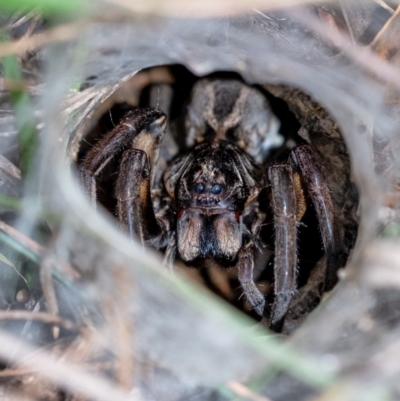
(199, 188)
(216, 189)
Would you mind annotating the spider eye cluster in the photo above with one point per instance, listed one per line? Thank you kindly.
(215, 189)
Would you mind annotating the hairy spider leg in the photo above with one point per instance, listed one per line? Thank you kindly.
(140, 131)
(245, 276)
(289, 186)
(285, 265)
(135, 209)
(305, 161)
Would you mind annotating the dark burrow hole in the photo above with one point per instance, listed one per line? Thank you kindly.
(152, 91)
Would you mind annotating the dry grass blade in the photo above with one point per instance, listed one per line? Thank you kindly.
(362, 56)
(22, 239)
(61, 33)
(242, 391)
(386, 45)
(387, 35)
(21, 20)
(384, 5)
(9, 169)
(36, 248)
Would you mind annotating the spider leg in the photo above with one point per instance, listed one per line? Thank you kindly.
(313, 177)
(245, 277)
(133, 188)
(135, 210)
(285, 264)
(122, 136)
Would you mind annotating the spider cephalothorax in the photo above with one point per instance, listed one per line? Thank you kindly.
(211, 191)
(211, 188)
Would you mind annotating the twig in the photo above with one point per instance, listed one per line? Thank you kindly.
(40, 316)
(93, 366)
(46, 281)
(15, 372)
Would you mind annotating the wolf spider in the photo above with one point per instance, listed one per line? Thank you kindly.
(208, 212)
